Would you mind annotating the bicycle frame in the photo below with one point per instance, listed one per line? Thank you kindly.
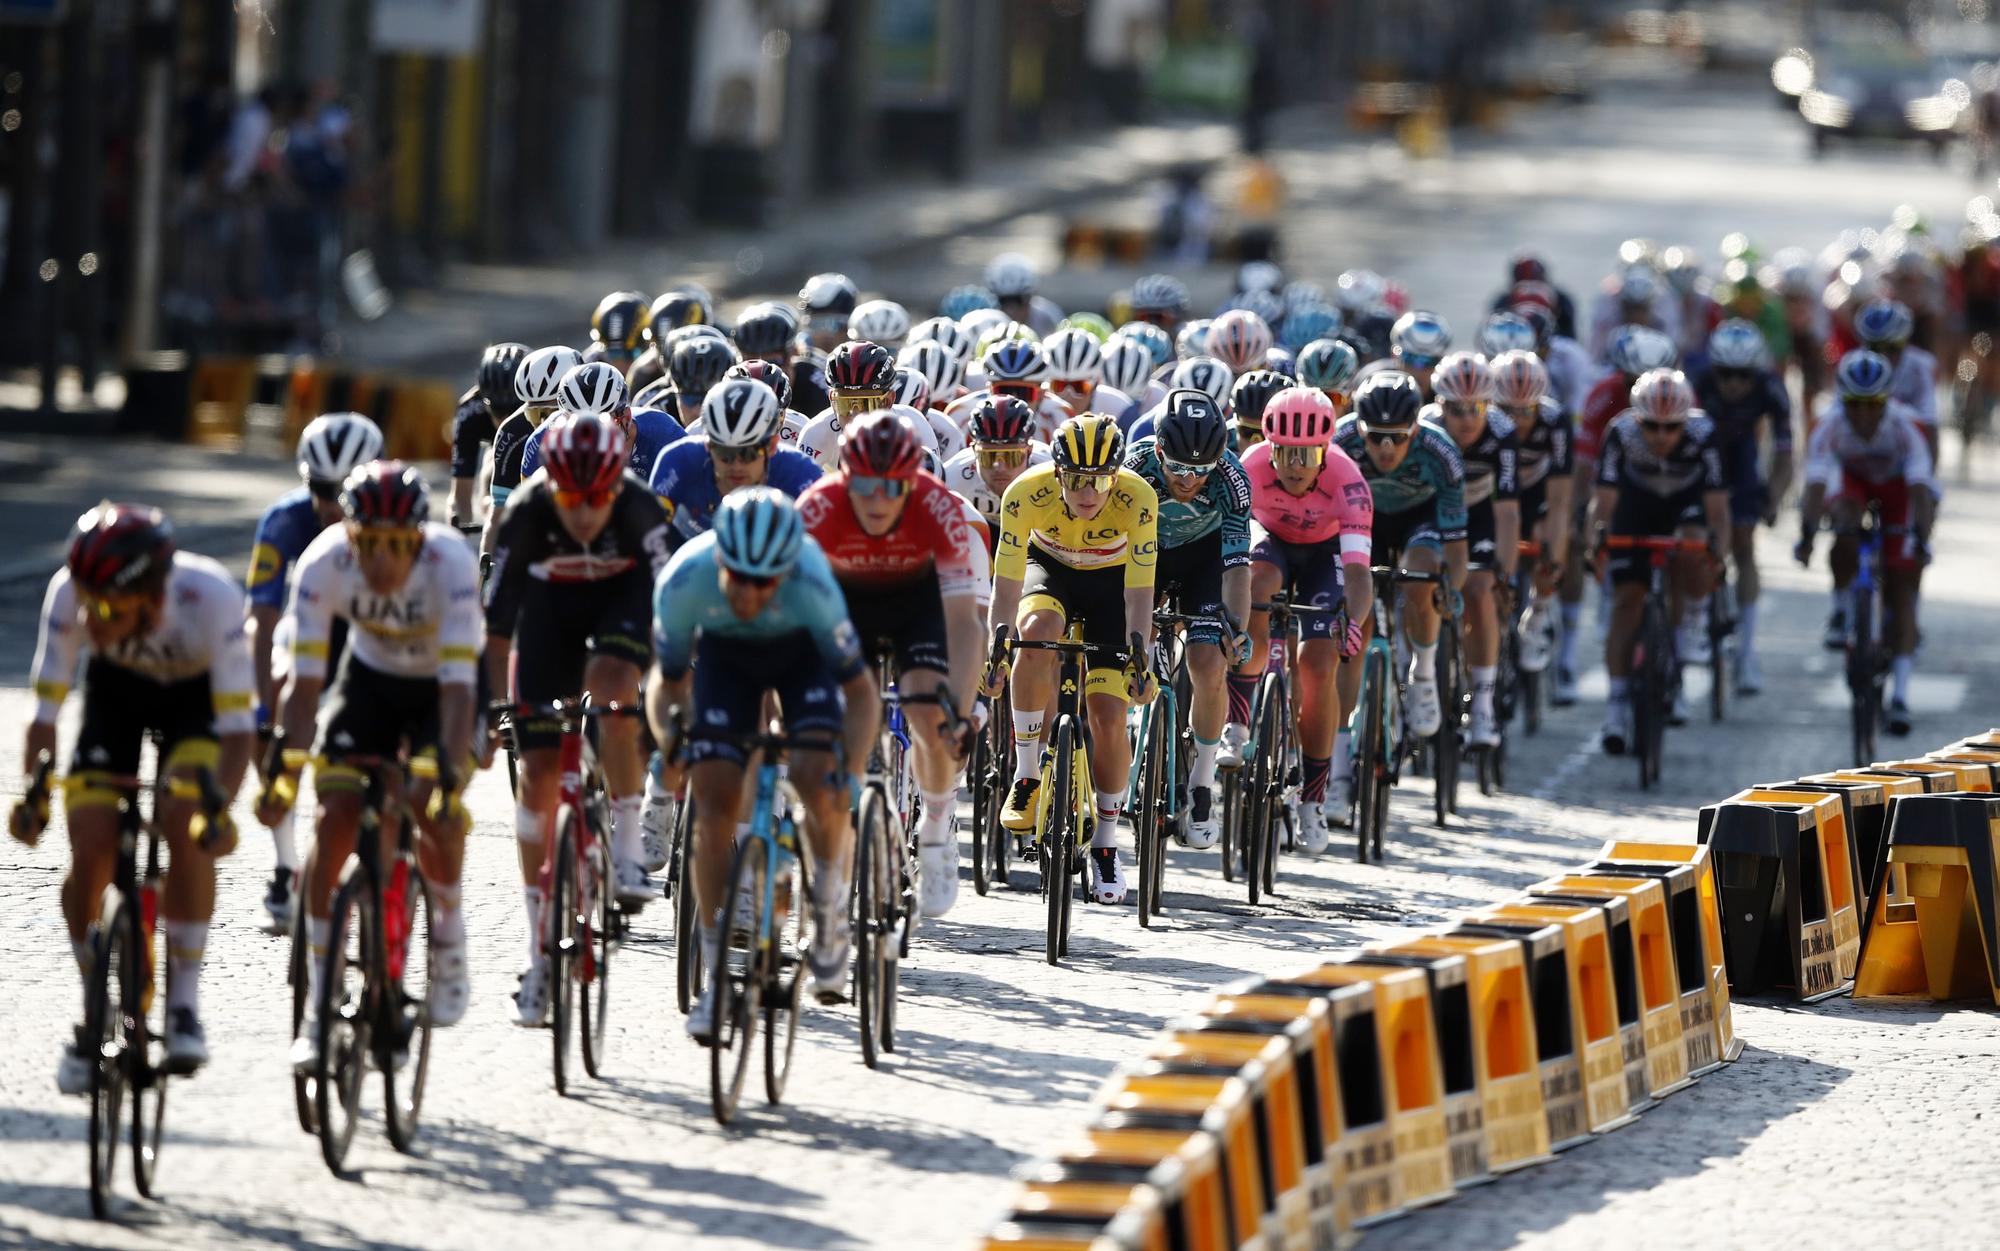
(1656, 670)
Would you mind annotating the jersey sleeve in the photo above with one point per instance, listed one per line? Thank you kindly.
(1450, 487)
(1234, 489)
(268, 563)
(509, 574)
(1142, 541)
(674, 603)
(1562, 452)
(1010, 558)
(507, 450)
(1506, 470)
(1779, 409)
(663, 477)
(1822, 460)
(471, 425)
(826, 617)
(531, 454)
(459, 633)
(312, 607)
(953, 545)
(1357, 509)
(1918, 470)
(56, 649)
(1611, 460)
(1712, 476)
(232, 683)
(647, 526)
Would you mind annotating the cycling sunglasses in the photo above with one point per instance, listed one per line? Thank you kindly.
(1087, 481)
(396, 541)
(1001, 457)
(324, 492)
(755, 582)
(1389, 436)
(1420, 362)
(1026, 392)
(1247, 436)
(1298, 456)
(869, 488)
(585, 499)
(737, 455)
(1724, 373)
(113, 606)
(1181, 469)
(1653, 425)
(854, 403)
(538, 413)
(1462, 408)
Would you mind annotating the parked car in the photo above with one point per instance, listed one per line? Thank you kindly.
(1884, 91)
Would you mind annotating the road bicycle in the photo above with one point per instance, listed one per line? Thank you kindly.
(1376, 726)
(1155, 796)
(1260, 796)
(1656, 668)
(988, 775)
(1867, 659)
(1445, 749)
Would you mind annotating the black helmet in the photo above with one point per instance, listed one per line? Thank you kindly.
(121, 549)
(1391, 398)
(698, 363)
(1252, 392)
(679, 307)
(497, 365)
(765, 330)
(619, 322)
(1191, 429)
(829, 293)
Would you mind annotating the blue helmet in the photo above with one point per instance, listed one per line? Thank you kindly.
(1884, 323)
(758, 532)
(1506, 332)
(959, 301)
(1280, 361)
(1865, 375)
(1737, 344)
(1420, 338)
(1328, 364)
(1157, 341)
(1303, 325)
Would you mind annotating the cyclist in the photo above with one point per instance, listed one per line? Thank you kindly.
(1571, 371)
(738, 446)
(792, 423)
(750, 607)
(1204, 564)
(1418, 485)
(880, 321)
(1417, 342)
(1868, 448)
(1127, 368)
(1075, 376)
(1660, 474)
(1505, 332)
(164, 636)
(1312, 517)
(1489, 451)
(1696, 310)
(1159, 300)
(913, 571)
(682, 306)
(1329, 366)
(1079, 541)
(1739, 391)
(1885, 327)
(1012, 279)
(1016, 368)
(1543, 468)
(566, 611)
(1239, 339)
(1634, 296)
(538, 382)
(617, 327)
(480, 411)
(408, 590)
(1528, 266)
(934, 362)
(1248, 399)
(913, 398)
(332, 446)
(1003, 447)
(765, 332)
(597, 389)
(860, 378)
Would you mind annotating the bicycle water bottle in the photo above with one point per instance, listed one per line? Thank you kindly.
(395, 918)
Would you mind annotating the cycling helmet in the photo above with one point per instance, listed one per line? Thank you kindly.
(334, 443)
(1542, 321)
(1462, 376)
(1259, 276)
(1072, 355)
(1528, 266)
(764, 330)
(542, 371)
(1279, 361)
(858, 365)
(1662, 395)
(1632, 350)
(1864, 375)
(1299, 417)
(1506, 332)
(389, 493)
(772, 376)
(828, 293)
(1253, 391)
(1388, 399)
(1088, 443)
(947, 334)
(1264, 304)
(1239, 338)
(677, 308)
(593, 388)
(1737, 344)
(1682, 267)
(1306, 323)
(497, 367)
(979, 326)
(1420, 336)
(619, 322)
(1360, 291)
(1193, 338)
(881, 444)
(1096, 325)
(1011, 276)
(758, 532)
(1520, 380)
(1328, 364)
(995, 333)
(1638, 285)
(584, 452)
(1126, 364)
(1015, 360)
(1204, 373)
(698, 363)
(740, 412)
(1158, 343)
(120, 549)
(1159, 293)
(961, 300)
(1884, 323)
(940, 369)
(879, 321)
(1001, 421)
(1299, 294)
(1191, 428)
(911, 388)
(687, 334)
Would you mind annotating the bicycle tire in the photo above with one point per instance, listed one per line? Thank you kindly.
(1278, 722)
(1058, 840)
(295, 975)
(595, 996)
(1863, 683)
(1149, 812)
(106, 1037)
(1001, 840)
(1230, 782)
(785, 970)
(559, 940)
(146, 1000)
(406, 1014)
(688, 973)
(345, 1014)
(978, 776)
(873, 939)
(1531, 701)
(738, 988)
(1368, 749)
(1444, 744)
(1649, 692)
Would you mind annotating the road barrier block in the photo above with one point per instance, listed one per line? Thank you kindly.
(1837, 853)
(1502, 1036)
(1446, 976)
(1625, 997)
(1868, 801)
(219, 391)
(1941, 779)
(1695, 924)
(1967, 775)
(1776, 930)
(1568, 959)
(1145, 1096)
(1407, 1038)
(1943, 944)
(1987, 760)
(1655, 980)
(1989, 741)
(1183, 1168)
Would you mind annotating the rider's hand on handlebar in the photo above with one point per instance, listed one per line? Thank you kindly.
(280, 792)
(1352, 639)
(28, 818)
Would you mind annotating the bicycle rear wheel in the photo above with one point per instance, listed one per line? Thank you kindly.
(1863, 681)
(738, 981)
(146, 1000)
(1150, 812)
(1652, 693)
(559, 923)
(1369, 749)
(406, 999)
(105, 1038)
(601, 932)
(295, 974)
(979, 776)
(874, 921)
(346, 1012)
(1275, 758)
(1445, 743)
(784, 966)
(688, 973)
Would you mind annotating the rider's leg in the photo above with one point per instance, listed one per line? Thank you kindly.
(1420, 613)
(537, 783)
(1265, 579)
(1033, 684)
(1209, 709)
(1482, 641)
(1319, 662)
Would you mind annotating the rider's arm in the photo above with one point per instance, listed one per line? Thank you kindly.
(458, 654)
(55, 666)
(1451, 514)
(1010, 561)
(1506, 535)
(1780, 415)
(504, 587)
(863, 719)
(1555, 546)
(1142, 552)
(232, 687)
(263, 621)
(1715, 498)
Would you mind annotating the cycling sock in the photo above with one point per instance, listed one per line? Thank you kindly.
(1318, 770)
(1618, 688)
(1343, 753)
(1572, 618)
(1027, 743)
(286, 844)
(628, 845)
(319, 932)
(1900, 668)
(1242, 688)
(1423, 661)
(1205, 752)
(528, 825)
(938, 810)
(1484, 678)
(1694, 614)
(447, 918)
(532, 897)
(1109, 805)
(656, 791)
(185, 941)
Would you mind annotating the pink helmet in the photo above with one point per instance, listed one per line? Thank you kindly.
(1239, 338)
(1520, 380)
(1299, 417)
(1662, 395)
(1462, 376)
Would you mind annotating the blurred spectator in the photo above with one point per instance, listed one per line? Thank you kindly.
(1119, 38)
(1260, 204)
(1186, 218)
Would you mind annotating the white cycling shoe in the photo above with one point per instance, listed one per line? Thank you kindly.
(451, 986)
(1203, 827)
(1314, 837)
(1537, 633)
(831, 953)
(656, 822)
(1693, 644)
(1484, 730)
(73, 1073)
(635, 889)
(531, 998)
(1108, 884)
(304, 1055)
(1423, 709)
(1235, 740)
(1338, 807)
(937, 886)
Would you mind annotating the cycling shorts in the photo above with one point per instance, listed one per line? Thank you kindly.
(563, 625)
(1399, 532)
(120, 708)
(366, 712)
(1643, 513)
(1747, 492)
(1310, 571)
(1190, 576)
(1898, 551)
(730, 678)
(908, 619)
(1481, 544)
(1091, 598)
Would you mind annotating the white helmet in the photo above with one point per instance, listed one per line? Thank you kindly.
(940, 369)
(539, 379)
(334, 444)
(595, 387)
(1011, 276)
(946, 332)
(1126, 365)
(879, 321)
(1073, 356)
(981, 322)
(740, 412)
(912, 388)
(1204, 373)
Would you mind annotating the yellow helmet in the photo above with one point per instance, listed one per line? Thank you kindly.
(619, 321)
(1088, 443)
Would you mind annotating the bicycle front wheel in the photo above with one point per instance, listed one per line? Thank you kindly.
(687, 944)
(1149, 811)
(874, 937)
(1058, 835)
(1445, 743)
(784, 962)
(600, 932)
(738, 983)
(406, 988)
(302, 1091)
(559, 924)
(105, 1041)
(1864, 680)
(145, 997)
(345, 1015)
(1369, 748)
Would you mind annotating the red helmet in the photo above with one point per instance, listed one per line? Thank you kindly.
(1519, 379)
(121, 548)
(881, 445)
(1001, 421)
(1299, 417)
(386, 493)
(772, 376)
(1662, 395)
(584, 452)
(859, 365)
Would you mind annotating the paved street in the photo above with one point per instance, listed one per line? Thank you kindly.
(1843, 1123)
